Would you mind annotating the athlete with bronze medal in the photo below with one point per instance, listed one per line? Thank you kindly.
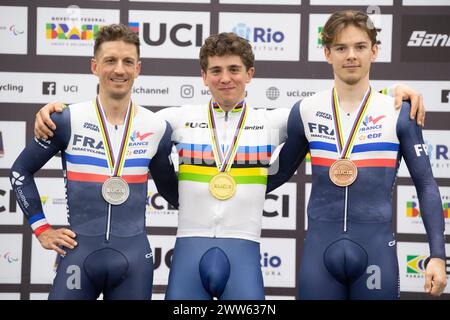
(343, 172)
(222, 186)
(115, 189)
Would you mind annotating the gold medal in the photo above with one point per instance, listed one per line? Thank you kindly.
(343, 172)
(222, 186)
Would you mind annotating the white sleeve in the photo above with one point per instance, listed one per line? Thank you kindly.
(170, 115)
(278, 121)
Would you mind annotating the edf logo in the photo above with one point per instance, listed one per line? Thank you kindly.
(257, 34)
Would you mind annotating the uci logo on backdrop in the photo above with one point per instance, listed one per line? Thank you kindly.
(170, 34)
(280, 208)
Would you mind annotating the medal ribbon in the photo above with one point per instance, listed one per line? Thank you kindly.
(345, 149)
(224, 162)
(115, 166)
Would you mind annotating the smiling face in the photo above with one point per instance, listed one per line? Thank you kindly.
(351, 55)
(226, 77)
(116, 64)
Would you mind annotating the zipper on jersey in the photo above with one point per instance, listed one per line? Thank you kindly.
(345, 209)
(108, 223)
(226, 115)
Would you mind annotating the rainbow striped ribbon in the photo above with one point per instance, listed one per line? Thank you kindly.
(345, 149)
(115, 166)
(224, 163)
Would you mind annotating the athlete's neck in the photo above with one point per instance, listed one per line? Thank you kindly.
(227, 105)
(115, 109)
(351, 95)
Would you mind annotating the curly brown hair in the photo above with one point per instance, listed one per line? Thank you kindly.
(226, 43)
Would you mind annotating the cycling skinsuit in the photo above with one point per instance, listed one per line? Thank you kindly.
(349, 250)
(217, 248)
(113, 255)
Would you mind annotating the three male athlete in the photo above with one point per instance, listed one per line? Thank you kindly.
(224, 148)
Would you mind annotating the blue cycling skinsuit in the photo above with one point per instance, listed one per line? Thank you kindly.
(113, 255)
(217, 251)
(350, 250)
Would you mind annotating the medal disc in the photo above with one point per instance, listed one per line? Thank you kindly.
(115, 190)
(343, 172)
(222, 186)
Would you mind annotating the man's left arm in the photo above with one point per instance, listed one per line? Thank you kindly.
(413, 150)
(162, 170)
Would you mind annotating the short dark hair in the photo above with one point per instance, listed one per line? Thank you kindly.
(116, 32)
(226, 43)
(341, 19)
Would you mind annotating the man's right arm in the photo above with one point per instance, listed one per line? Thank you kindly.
(43, 124)
(162, 170)
(33, 158)
(292, 153)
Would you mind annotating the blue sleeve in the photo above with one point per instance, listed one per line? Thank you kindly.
(292, 153)
(34, 157)
(162, 170)
(413, 150)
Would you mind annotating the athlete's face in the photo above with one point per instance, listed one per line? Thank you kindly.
(351, 55)
(226, 78)
(116, 64)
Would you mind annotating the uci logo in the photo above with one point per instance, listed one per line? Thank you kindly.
(177, 34)
(11, 200)
(193, 125)
(275, 199)
(158, 258)
(158, 203)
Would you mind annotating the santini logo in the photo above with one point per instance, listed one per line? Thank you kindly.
(424, 39)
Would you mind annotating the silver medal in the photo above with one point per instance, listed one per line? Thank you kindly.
(115, 190)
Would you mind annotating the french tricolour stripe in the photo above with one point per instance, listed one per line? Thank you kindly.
(37, 220)
(100, 178)
(377, 154)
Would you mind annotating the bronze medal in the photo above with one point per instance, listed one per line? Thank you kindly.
(343, 172)
(222, 186)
